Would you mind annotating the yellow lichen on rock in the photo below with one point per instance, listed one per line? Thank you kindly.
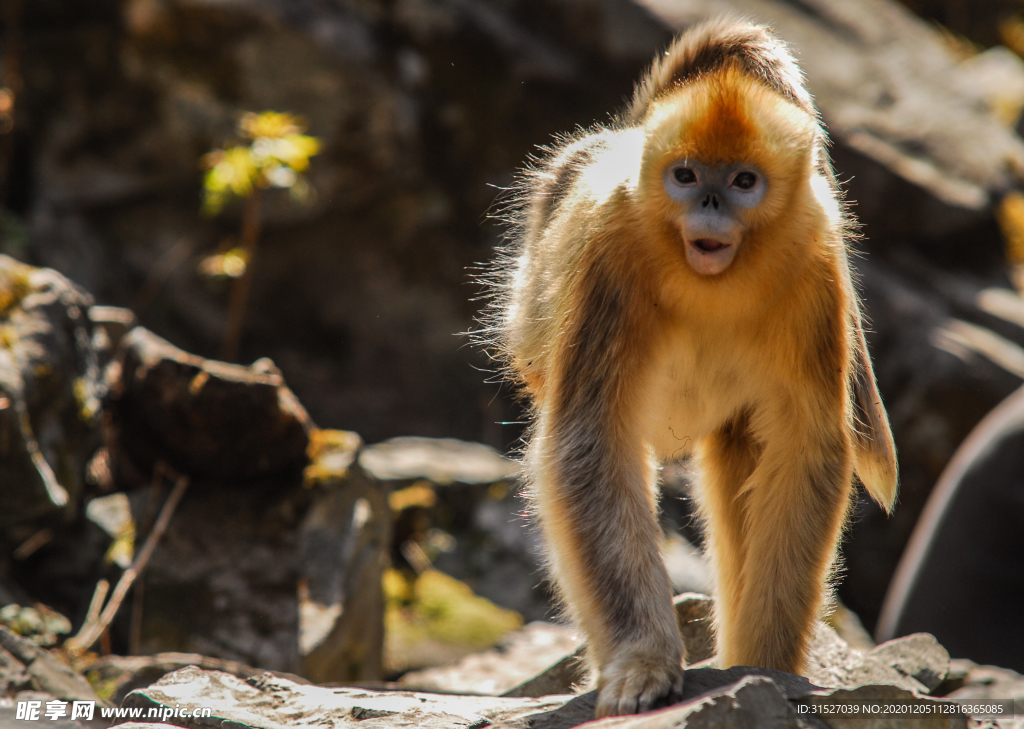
(330, 453)
(14, 286)
(432, 619)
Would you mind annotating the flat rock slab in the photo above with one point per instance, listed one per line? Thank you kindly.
(741, 697)
(520, 657)
(746, 698)
(755, 701)
(697, 684)
(440, 460)
(269, 702)
(914, 663)
(693, 614)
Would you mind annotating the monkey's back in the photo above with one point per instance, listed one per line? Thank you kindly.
(580, 190)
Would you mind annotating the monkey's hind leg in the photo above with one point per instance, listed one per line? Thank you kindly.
(727, 458)
(598, 516)
(795, 506)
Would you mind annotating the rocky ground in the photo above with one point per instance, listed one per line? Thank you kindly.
(911, 674)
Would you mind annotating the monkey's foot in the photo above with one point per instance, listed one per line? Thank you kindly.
(637, 684)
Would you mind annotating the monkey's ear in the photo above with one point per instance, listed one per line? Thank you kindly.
(874, 450)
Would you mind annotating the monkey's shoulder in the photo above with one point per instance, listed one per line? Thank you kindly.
(584, 171)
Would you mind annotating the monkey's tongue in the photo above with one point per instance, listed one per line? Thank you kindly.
(709, 244)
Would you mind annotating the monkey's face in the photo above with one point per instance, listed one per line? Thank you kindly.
(722, 160)
(711, 198)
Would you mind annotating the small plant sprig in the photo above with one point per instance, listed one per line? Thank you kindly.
(277, 156)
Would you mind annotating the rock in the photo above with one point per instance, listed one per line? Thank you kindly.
(343, 542)
(933, 714)
(694, 614)
(915, 663)
(13, 677)
(433, 619)
(563, 676)
(697, 683)
(457, 508)
(740, 697)
(439, 460)
(753, 702)
(39, 624)
(520, 656)
(955, 677)
(279, 547)
(114, 677)
(688, 571)
(949, 581)
(746, 697)
(203, 417)
(980, 683)
(49, 392)
(46, 672)
(290, 582)
(918, 656)
(831, 661)
(849, 627)
(267, 702)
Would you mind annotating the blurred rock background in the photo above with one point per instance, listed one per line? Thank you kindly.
(425, 110)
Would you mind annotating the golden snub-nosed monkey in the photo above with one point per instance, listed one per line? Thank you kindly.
(678, 281)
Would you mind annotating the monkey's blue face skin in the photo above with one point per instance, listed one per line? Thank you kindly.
(711, 198)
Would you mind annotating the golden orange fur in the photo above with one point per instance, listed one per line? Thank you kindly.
(630, 353)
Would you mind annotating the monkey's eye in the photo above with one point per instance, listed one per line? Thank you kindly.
(684, 176)
(744, 180)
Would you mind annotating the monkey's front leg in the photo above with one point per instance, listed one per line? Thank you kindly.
(593, 487)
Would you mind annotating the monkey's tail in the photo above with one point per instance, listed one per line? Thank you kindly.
(874, 450)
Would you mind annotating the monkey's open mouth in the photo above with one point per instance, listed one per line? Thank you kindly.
(709, 245)
(709, 256)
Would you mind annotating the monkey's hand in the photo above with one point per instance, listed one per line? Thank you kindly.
(636, 682)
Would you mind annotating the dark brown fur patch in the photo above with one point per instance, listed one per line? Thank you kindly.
(599, 506)
(707, 48)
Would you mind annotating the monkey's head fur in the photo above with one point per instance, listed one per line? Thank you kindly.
(725, 157)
